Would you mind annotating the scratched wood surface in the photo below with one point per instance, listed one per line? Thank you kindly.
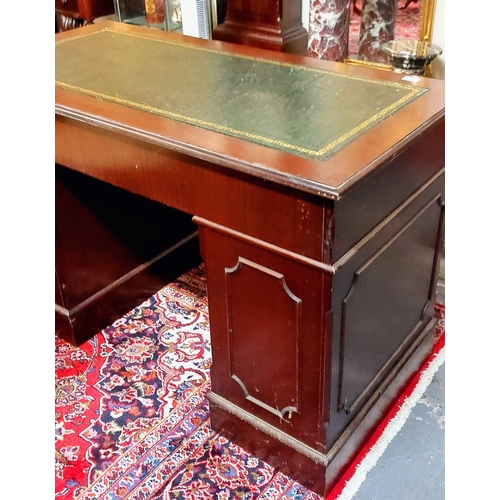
(332, 178)
(304, 111)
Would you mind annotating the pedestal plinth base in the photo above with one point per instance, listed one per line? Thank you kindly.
(315, 470)
(291, 40)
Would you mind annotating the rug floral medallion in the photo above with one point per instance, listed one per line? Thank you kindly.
(132, 418)
(131, 414)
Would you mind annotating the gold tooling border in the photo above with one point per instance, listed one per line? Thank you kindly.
(240, 133)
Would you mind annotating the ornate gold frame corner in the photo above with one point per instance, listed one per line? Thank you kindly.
(427, 14)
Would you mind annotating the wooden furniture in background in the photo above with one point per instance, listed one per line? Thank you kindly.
(321, 275)
(269, 24)
(72, 14)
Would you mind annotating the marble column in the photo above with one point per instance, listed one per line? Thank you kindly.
(329, 29)
(378, 20)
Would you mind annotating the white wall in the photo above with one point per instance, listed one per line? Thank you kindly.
(305, 14)
(438, 39)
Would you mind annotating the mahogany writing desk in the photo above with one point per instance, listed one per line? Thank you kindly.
(318, 192)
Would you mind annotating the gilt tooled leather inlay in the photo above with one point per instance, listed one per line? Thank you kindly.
(304, 111)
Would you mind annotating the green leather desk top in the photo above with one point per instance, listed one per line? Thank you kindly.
(303, 111)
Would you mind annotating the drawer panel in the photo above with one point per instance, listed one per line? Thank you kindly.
(379, 194)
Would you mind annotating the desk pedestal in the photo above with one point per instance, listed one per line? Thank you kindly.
(302, 353)
(114, 250)
(321, 274)
(308, 354)
(314, 330)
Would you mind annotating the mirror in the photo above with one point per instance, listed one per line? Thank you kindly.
(414, 21)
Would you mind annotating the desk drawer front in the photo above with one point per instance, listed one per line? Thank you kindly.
(370, 202)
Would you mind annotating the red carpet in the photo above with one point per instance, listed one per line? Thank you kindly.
(132, 419)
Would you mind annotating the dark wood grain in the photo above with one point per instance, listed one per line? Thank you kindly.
(330, 179)
(321, 276)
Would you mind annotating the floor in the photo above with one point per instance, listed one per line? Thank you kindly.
(413, 465)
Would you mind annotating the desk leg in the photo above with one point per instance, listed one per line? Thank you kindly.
(276, 375)
(269, 318)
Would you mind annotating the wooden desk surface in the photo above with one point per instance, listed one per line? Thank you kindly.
(409, 110)
(331, 261)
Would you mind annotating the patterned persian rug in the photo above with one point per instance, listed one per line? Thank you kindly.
(131, 416)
